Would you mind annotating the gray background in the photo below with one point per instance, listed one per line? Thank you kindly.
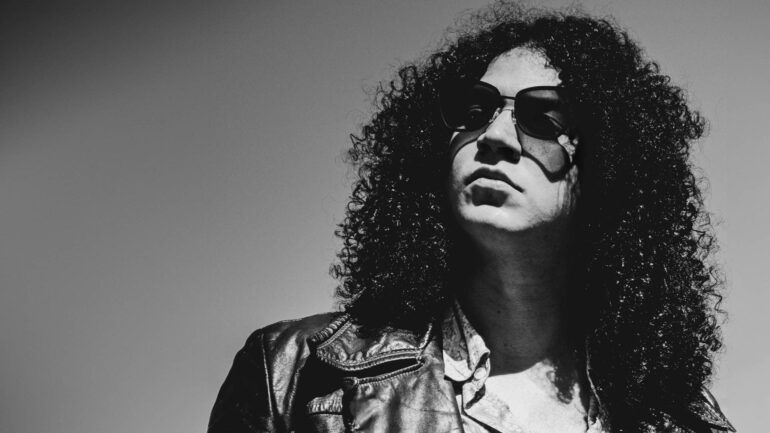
(171, 175)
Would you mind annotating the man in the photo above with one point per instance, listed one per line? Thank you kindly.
(526, 250)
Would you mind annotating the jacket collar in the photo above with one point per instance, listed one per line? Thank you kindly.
(344, 345)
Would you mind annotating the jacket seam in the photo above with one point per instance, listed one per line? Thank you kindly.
(393, 355)
(335, 334)
(392, 375)
(268, 378)
(426, 338)
(337, 330)
(328, 331)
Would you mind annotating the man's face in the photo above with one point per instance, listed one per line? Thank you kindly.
(494, 189)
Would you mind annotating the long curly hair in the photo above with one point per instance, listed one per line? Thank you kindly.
(647, 288)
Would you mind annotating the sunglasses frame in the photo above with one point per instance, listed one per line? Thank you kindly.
(566, 138)
(468, 84)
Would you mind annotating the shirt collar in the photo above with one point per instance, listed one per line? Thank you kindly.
(466, 360)
(466, 356)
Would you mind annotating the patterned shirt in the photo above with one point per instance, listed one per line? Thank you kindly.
(466, 363)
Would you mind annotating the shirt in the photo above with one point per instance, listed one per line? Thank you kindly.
(466, 363)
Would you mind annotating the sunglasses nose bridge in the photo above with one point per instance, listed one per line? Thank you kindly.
(501, 133)
(498, 112)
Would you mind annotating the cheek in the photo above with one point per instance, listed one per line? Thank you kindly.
(455, 171)
(461, 141)
(461, 164)
(454, 182)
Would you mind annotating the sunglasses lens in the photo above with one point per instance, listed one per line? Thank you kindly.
(541, 113)
(468, 106)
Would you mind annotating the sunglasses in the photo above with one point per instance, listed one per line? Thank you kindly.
(542, 113)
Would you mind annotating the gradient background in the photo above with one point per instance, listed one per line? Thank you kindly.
(171, 176)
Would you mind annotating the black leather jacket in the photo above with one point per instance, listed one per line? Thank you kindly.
(320, 374)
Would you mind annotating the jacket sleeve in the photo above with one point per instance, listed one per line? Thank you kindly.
(245, 403)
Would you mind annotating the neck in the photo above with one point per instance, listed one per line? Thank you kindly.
(514, 296)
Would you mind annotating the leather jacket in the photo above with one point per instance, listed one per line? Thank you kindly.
(323, 374)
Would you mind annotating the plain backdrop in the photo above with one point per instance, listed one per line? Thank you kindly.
(171, 175)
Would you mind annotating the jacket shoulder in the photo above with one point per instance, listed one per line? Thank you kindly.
(302, 328)
(707, 409)
(270, 340)
(295, 335)
(259, 390)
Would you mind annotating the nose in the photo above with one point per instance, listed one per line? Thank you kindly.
(501, 136)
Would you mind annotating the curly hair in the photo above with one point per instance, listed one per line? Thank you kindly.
(646, 286)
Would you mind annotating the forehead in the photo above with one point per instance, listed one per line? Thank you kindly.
(518, 69)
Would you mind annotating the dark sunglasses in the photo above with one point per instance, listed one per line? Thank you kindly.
(540, 112)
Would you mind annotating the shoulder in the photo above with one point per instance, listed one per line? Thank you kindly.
(294, 329)
(290, 336)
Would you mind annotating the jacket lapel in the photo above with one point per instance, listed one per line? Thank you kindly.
(393, 380)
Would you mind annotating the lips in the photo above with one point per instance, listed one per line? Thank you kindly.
(488, 173)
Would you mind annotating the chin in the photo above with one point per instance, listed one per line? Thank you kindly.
(492, 219)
